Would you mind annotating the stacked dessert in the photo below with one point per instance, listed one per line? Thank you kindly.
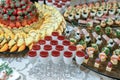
(23, 23)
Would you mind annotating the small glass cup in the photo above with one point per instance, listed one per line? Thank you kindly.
(32, 56)
(66, 43)
(54, 43)
(44, 59)
(60, 39)
(55, 35)
(48, 39)
(42, 43)
(68, 61)
(36, 48)
(60, 48)
(79, 57)
(72, 48)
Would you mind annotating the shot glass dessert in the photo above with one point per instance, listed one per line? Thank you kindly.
(32, 56)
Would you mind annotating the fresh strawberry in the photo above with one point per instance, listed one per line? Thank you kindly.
(15, 12)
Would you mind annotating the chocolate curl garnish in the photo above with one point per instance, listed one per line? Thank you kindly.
(106, 37)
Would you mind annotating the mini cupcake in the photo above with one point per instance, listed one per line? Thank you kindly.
(114, 59)
(97, 63)
(102, 57)
(86, 59)
(90, 51)
(109, 67)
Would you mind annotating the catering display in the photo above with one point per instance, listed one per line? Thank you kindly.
(98, 35)
(23, 23)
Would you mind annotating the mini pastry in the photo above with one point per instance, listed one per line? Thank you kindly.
(98, 29)
(95, 46)
(118, 10)
(103, 23)
(72, 41)
(77, 14)
(111, 43)
(85, 14)
(108, 30)
(109, 21)
(92, 13)
(114, 59)
(112, 11)
(77, 34)
(105, 11)
(97, 63)
(80, 47)
(68, 31)
(71, 17)
(83, 43)
(109, 67)
(117, 21)
(99, 13)
(102, 56)
(90, 25)
(90, 51)
(99, 40)
(87, 38)
(118, 33)
(86, 59)
(106, 50)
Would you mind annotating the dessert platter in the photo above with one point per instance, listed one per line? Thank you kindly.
(97, 35)
(104, 13)
(23, 23)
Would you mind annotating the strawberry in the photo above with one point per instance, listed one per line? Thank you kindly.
(15, 12)
(19, 11)
(4, 10)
